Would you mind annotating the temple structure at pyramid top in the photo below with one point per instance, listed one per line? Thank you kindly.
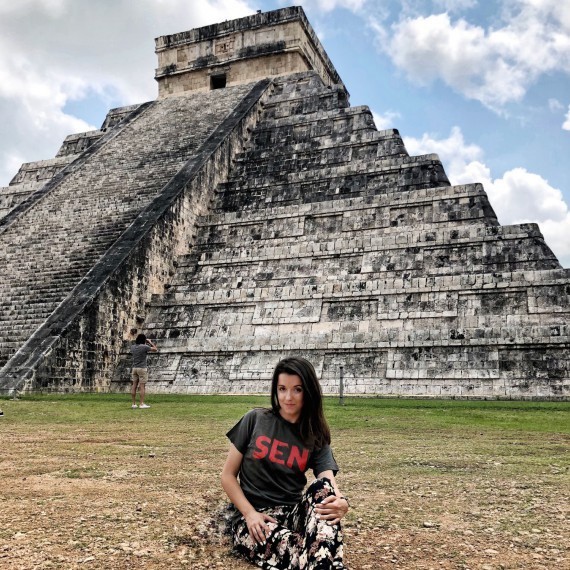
(268, 44)
(250, 213)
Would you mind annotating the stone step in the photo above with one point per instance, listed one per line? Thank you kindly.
(116, 115)
(329, 184)
(284, 339)
(35, 261)
(31, 289)
(11, 196)
(48, 239)
(13, 296)
(300, 87)
(374, 146)
(393, 266)
(7, 349)
(446, 371)
(269, 275)
(339, 309)
(292, 85)
(289, 144)
(183, 334)
(296, 81)
(371, 243)
(552, 285)
(337, 125)
(20, 325)
(34, 302)
(361, 207)
(255, 171)
(353, 157)
(305, 102)
(346, 118)
(21, 188)
(449, 210)
(263, 235)
(31, 306)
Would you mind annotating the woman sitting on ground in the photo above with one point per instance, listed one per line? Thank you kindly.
(276, 524)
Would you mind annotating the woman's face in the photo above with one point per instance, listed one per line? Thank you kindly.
(290, 395)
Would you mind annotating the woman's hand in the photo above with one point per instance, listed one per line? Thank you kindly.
(257, 526)
(332, 509)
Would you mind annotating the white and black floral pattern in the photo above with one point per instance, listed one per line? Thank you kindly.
(300, 541)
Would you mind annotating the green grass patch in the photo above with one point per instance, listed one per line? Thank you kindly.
(357, 413)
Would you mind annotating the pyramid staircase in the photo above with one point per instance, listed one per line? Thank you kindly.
(59, 242)
(328, 240)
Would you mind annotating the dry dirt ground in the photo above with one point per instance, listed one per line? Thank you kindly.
(136, 489)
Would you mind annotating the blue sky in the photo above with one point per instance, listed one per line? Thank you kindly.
(483, 83)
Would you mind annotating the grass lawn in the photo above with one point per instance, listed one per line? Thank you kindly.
(87, 482)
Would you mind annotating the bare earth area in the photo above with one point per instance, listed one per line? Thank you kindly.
(93, 484)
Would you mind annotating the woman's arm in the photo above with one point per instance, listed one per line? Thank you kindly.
(334, 507)
(256, 522)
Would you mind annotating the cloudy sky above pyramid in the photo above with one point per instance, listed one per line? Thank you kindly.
(483, 83)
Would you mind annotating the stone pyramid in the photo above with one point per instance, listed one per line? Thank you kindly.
(250, 213)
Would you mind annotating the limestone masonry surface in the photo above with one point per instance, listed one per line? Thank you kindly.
(250, 213)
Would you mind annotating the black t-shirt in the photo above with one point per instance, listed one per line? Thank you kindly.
(275, 459)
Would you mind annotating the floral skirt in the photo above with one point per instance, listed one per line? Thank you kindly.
(299, 540)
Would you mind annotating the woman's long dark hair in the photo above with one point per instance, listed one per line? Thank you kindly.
(313, 426)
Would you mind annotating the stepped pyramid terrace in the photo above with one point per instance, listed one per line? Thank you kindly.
(249, 213)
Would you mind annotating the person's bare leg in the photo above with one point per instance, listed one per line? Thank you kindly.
(142, 390)
(134, 392)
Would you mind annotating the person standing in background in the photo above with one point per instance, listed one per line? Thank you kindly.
(139, 374)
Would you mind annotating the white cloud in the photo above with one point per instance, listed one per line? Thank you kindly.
(495, 66)
(31, 103)
(56, 51)
(517, 197)
(329, 5)
(455, 5)
(462, 161)
(523, 196)
(23, 6)
(566, 124)
(353, 5)
(385, 121)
